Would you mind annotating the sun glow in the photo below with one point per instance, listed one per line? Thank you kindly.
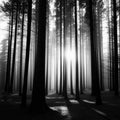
(70, 55)
(55, 46)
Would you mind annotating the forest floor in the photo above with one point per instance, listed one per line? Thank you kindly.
(61, 109)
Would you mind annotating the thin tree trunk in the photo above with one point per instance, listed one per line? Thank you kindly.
(24, 93)
(56, 49)
(71, 81)
(47, 44)
(82, 56)
(64, 60)
(14, 50)
(81, 83)
(61, 55)
(76, 47)
(112, 50)
(100, 45)
(116, 48)
(7, 84)
(110, 61)
(21, 49)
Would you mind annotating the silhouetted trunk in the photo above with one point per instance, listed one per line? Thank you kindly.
(61, 66)
(56, 46)
(110, 60)
(92, 35)
(47, 51)
(21, 49)
(81, 86)
(94, 62)
(24, 93)
(82, 54)
(56, 63)
(100, 47)
(64, 60)
(36, 25)
(7, 84)
(113, 58)
(38, 103)
(116, 48)
(112, 49)
(76, 50)
(71, 80)
(14, 50)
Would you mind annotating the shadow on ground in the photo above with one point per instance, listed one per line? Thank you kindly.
(10, 109)
(61, 109)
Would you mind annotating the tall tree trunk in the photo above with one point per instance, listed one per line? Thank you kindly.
(82, 55)
(99, 25)
(56, 49)
(64, 60)
(116, 48)
(112, 50)
(76, 47)
(24, 93)
(61, 55)
(110, 55)
(81, 83)
(14, 50)
(38, 103)
(7, 84)
(21, 48)
(47, 51)
(71, 80)
(94, 62)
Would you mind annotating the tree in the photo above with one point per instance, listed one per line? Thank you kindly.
(116, 48)
(64, 44)
(71, 81)
(61, 31)
(76, 47)
(21, 46)
(47, 51)
(56, 43)
(24, 93)
(38, 103)
(7, 84)
(14, 49)
(94, 62)
(81, 78)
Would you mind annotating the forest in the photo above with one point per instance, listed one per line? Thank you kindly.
(59, 59)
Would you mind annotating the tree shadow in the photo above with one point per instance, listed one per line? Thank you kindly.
(11, 109)
(108, 110)
(63, 109)
(57, 103)
(79, 111)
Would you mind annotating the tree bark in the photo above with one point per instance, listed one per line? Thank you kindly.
(64, 60)
(7, 84)
(38, 103)
(94, 62)
(21, 49)
(71, 80)
(76, 50)
(61, 55)
(14, 50)
(24, 93)
(116, 48)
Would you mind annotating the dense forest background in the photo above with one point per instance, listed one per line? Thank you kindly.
(67, 47)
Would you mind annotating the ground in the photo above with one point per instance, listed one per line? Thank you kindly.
(61, 109)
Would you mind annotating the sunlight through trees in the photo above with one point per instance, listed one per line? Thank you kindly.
(67, 47)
